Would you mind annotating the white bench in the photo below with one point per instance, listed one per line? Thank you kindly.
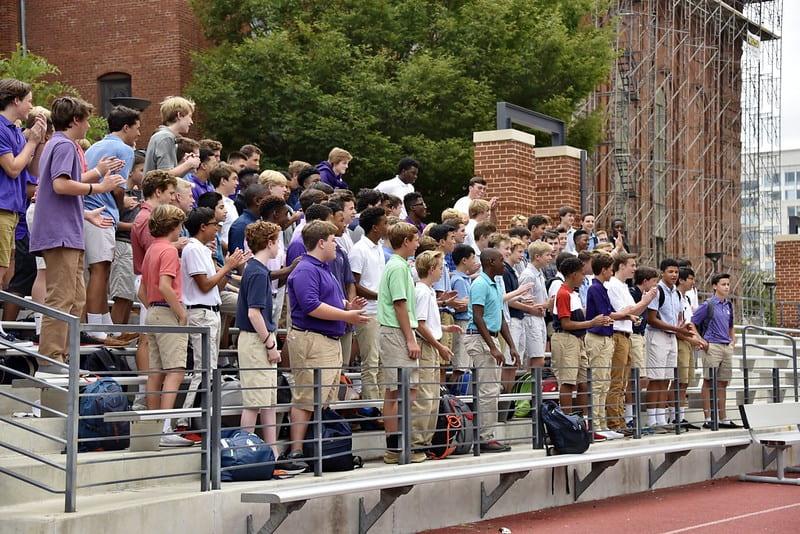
(761, 420)
(284, 501)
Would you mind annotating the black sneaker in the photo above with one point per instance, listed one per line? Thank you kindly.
(728, 424)
(707, 425)
(686, 424)
(11, 338)
(88, 339)
(290, 465)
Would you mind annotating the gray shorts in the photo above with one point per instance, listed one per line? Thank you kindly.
(122, 281)
(100, 243)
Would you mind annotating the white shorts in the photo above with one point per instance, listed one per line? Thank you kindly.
(100, 243)
(535, 337)
(517, 331)
(662, 354)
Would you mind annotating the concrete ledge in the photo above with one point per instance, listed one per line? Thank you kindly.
(787, 238)
(503, 135)
(556, 151)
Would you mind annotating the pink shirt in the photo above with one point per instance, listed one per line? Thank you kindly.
(161, 259)
(140, 235)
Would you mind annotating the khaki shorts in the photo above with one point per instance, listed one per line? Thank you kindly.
(662, 354)
(394, 355)
(461, 360)
(719, 356)
(535, 337)
(637, 358)
(8, 226)
(100, 243)
(685, 362)
(121, 280)
(309, 351)
(253, 354)
(167, 351)
(569, 358)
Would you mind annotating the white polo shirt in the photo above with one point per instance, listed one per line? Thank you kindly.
(366, 260)
(396, 187)
(196, 259)
(621, 298)
(427, 309)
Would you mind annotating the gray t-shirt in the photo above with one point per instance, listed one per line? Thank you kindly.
(161, 150)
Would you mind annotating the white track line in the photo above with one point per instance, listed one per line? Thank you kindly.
(734, 518)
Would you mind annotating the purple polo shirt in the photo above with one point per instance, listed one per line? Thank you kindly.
(200, 186)
(58, 219)
(311, 284)
(598, 303)
(295, 249)
(719, 327)
(13, 196)
(420, 227)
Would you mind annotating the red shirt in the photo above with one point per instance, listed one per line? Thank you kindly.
(161, 259)
(568, 305)
(140, 235)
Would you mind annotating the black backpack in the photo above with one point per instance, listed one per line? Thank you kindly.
(703, 326)
(567, 433)
(104, 360)
(337, 443)
(454, 427)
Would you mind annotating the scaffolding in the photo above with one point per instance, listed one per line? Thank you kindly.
(692, 114)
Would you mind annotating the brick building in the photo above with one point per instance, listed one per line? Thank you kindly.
(148, 54)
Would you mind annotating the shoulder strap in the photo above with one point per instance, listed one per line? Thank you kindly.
(662, 297)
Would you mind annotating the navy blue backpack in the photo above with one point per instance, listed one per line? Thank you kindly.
(567, 433)
(337, 443)
(106, 396)
(239, 448)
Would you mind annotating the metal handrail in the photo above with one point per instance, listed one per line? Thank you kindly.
(771, 332)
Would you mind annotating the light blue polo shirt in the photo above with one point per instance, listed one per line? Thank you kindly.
(487, 293)
(109, 146)
(672, 307)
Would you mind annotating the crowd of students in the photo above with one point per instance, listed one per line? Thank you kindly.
(359, 279)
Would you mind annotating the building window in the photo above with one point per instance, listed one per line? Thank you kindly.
(791, 211)
(789, 177)
(110, 86)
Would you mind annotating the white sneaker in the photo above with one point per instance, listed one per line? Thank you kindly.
(15, 341)
(610, 434)
(173, 440)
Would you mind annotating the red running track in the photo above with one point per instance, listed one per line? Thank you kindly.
(720, 506)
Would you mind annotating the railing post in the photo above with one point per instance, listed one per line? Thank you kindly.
(776, 385)
(794, 368)
(405, 416)
(536, 408)
(677, 400)
(216, 429)
(590, 406)
(476, 413)
(745, 371)
(637, 403)
(73, 411)
(316, 424)
(714, 400)
(205, 455)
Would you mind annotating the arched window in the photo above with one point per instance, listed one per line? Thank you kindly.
(110, 86)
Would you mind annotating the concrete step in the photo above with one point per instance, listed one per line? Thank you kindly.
(29, 440)
(125, 466)
(8, 405)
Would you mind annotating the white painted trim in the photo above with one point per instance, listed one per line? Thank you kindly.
(556, 151)
(787, 237)
(503, 135)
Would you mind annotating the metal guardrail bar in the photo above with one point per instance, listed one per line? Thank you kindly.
(29, 304)
(772, 332)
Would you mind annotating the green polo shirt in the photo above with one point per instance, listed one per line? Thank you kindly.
(485, 292)
(396, 284)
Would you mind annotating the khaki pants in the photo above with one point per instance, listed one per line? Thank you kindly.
(346, 342)
(66, 291)
(369, 345)
(201, 317)
(425, 409)
(489, 388)
(600, 350)
(620, 369)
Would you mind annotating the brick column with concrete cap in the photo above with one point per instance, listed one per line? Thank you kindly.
(527, 180)
(787, 280)
(506, 160)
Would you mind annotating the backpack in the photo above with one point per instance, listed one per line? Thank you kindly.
(337, 443)
(703, 326)
(454, 427)
(567, 433)
(462, 386)
(106, 397)
(103, 360)
(240, 448)
(22, 364)
(522, 408)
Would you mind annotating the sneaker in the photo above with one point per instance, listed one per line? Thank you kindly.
(391, 457)
(626, 432)
(291, 464)
(707, 424)
(418, 457)
(173, 440)
(689, 426)
(191, 436)
(88, 339)
(122, 340)
(494, 446)
(611, 434)
(19, 343)
(663, 429)
(728, 424)
(598, 437)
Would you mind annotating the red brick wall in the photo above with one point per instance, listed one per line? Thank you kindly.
(9, 26)
(150, 40)
(527, 182)
(787, 279)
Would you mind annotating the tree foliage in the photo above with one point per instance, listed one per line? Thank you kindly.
(385, 79)
(43, 78)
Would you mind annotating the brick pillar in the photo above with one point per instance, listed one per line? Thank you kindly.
(787, 280)
(558, 180)
(527, 180)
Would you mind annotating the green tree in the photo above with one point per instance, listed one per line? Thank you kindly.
(42, 76)
(385, 79)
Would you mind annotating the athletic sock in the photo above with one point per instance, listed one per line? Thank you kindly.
(651, 417)
(96, 318)
(661, 416)
(628, 413)
(683, 414)
(37, 320)
(167, 426)
(107, 320)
